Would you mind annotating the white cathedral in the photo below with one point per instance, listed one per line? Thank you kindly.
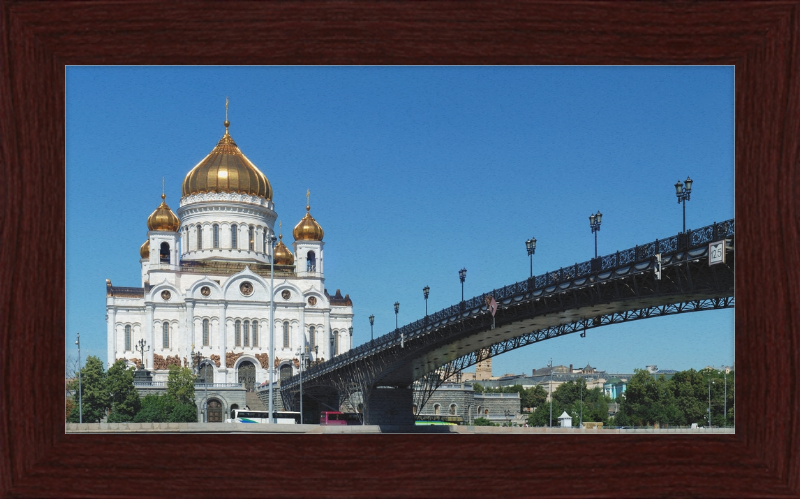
(206, 283)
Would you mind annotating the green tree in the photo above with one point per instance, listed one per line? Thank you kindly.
(482, 422)
(155, 409)
(541, 416)
(180, 385)
(123, 397)
(534, 397)
(478, 388)
(94, 392)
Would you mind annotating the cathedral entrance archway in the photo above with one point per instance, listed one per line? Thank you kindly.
(286, 371)
(247, 374)
(214, 411)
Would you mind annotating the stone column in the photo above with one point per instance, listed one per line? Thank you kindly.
(148, 334)
(111, 325)
(223, 337)
(326, 326)
(188, 336)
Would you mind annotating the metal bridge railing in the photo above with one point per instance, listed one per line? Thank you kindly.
(682, 242)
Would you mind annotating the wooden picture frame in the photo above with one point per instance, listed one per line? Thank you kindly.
(37, 459)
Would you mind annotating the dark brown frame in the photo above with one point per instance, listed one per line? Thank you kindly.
(39, 38)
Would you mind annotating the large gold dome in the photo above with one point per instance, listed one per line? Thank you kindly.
(163, 219)
(226, 169)
(282, 254)
(308, 229)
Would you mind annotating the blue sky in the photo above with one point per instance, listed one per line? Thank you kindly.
(414, 173)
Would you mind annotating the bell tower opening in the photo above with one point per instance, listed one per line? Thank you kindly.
(311, 262)
(164, 253)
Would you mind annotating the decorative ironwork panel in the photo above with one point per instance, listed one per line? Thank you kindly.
(668, 245)
(627, 256)
(609, 262)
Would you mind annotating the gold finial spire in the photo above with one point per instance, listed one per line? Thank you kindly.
(280, 229)
(163, 196)
(227, 123)
(308, 200)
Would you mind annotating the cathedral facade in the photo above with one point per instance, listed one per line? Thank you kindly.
(207, 285)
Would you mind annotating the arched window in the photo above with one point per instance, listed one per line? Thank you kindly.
(252, 235)
(254, 328)
(311, 262)
(238, 333)
(265, 243)
(452, 409)
(246, 334)
(234, 239)
(414, 408)
(286, 335)
(216, 235)
(164, 252)
(165, 335)
(312, 340)
(436, 408)
(199, 237)
(335, 343)
(127, 337)
(205, 333)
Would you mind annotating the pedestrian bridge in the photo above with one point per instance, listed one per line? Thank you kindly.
(397, 370)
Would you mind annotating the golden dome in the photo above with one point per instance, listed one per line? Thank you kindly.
(163, 219)
(226, 169)
(308, 229)
(144, 251)
(282, 254)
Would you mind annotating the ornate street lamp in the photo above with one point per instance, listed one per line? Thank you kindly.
(425, 292)
(594, 224)
(371, 322)
(271, 368)
(530, 245)
(396, 309)
(684, 194)
(462, 274)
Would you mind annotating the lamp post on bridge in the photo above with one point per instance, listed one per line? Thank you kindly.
(684, 194)
(272, 241)
(396, 309)
(530, 245)
(594, 224)
(462, 274)
(371, 323)
(425, 292)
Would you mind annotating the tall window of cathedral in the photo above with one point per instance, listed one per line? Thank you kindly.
(199, 237)
(252, 234)
(286, 335)
(127, 338)
(265, 242)
(165, 336)
(311, 262)
(254, 328)
(312, 340)
(246, 334)
(234, 239)
(335, 343)
(436, 409)
(237, 332)
(164, 252)
(215, 231)
(205, 332)
(452, 409)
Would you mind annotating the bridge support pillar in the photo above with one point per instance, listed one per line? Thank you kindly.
(389, 406)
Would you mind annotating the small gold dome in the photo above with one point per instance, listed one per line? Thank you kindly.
(163, 219)
(226, 169)
(282, 254)
(308, 229)
(144, 251)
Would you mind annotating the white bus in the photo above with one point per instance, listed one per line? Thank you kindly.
(281, 417)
